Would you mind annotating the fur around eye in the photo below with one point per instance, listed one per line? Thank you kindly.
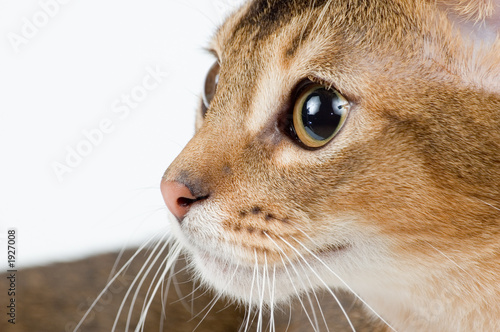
(318, 115)
(210, 87)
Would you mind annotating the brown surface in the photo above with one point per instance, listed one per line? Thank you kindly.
(54, 298)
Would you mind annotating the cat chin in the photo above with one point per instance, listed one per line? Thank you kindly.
(263, 286)
(231, 270)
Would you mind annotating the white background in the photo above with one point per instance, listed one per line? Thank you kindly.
(64, 68)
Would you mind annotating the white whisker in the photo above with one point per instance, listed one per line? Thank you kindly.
(124, 267)
(320, 279)
(282, 253)
(131, 287)
(490, 205)
(173, 255)
(191, 294)
(160, 280)
(133, 300)
(451, 260)
(263, 289)
(212, 304)
(178, 291)
(220, 293)
(342, 281)
(316, 298)
(273, 287)
(165, 290)
(254, 276)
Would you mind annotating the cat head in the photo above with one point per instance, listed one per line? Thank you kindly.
(342, 143)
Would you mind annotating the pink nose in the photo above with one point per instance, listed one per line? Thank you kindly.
(178, 198)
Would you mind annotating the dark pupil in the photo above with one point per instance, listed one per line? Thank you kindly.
(321, 114)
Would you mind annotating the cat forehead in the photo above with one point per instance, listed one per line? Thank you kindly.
(438, 34)
(264, 30)
(264, 17)
(260, 19)
(287, 41)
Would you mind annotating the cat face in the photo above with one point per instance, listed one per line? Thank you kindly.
(342, 144)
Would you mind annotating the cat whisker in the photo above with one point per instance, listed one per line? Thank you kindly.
(229, 304)
(271, 320)
(289, 316)
(191, 294)
(172, 258)
(299, 297)
(256, 266)
(131, 286)
(158, 241)
(269, 291)
(212, 304)
(110, 282)
(216, 299)
(138, 287)
(299, 277)
(207, 307)
(261, 292)
(309, 299)
(160, 279)
(341, 280)
(317, 300)
(451, 260)
(151, 242)
(165, 289)
(319, 278)
(255, 315)
(490, 205)
(178, 290)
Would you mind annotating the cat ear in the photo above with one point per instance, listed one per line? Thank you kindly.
(479, 19)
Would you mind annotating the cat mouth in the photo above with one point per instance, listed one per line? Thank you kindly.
(331, 248)
(237, 279)
(230, 264)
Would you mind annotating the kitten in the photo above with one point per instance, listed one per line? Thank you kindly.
(340, 144)
(354, 145)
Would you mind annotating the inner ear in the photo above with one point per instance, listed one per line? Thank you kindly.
(477, 19)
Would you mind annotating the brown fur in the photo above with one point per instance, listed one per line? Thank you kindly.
(412, 179)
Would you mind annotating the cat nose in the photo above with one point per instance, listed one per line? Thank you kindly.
(178, 198)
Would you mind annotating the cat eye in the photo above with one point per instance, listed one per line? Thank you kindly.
(211, 84)
(318, 115)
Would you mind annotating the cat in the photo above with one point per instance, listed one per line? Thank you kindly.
(343, 149)
(354, 145)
